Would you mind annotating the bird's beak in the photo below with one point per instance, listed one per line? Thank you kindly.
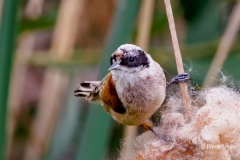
(115, 66)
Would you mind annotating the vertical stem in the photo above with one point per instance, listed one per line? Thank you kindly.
(178, 57)
(145, 23)
(55, 81)
(224, 46)
(7, 45)
(1, 9)
(19, 76)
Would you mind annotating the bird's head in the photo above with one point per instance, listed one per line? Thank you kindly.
(129, 58)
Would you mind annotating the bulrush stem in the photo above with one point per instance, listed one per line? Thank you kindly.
(178, 57)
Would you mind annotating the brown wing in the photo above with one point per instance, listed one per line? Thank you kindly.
(108, 94)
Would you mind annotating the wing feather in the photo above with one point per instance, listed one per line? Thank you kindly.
(109, 95)
(104, 91)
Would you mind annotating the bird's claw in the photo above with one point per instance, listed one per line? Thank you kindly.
(167, 138)
(184, 77)
(164, 137)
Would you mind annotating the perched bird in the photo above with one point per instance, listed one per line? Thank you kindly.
(134, 88)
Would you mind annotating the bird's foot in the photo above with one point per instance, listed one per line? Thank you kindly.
(164, 137)
(184, 77)
(147, 125)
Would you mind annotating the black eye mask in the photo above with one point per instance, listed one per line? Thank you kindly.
(139, 59)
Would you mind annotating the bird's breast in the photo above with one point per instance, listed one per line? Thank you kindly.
(140, 103)
(141, 94)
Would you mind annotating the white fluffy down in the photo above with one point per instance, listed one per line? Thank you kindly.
(212, 133)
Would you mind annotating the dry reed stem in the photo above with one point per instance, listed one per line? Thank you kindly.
(144, 27)
(55, 81)
(24, 52)
(1, 8)
(34, 8)
(178, 57)
(226, 42)
(145, 23)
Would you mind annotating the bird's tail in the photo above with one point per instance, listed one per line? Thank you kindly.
(87, 90)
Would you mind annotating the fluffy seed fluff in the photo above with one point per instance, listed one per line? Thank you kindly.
(212, 133)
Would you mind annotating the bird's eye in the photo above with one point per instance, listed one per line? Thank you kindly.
(131, 59)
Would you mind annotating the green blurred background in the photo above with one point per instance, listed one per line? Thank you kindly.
(48, 47)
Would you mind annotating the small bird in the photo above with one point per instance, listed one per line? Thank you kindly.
(134, 88)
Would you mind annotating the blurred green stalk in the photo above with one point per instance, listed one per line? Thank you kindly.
(96, 133)
(7, 45)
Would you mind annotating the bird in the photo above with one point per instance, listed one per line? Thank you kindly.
(134, 88)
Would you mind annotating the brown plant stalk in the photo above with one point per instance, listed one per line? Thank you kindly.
(178, 57)
(225, 45)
